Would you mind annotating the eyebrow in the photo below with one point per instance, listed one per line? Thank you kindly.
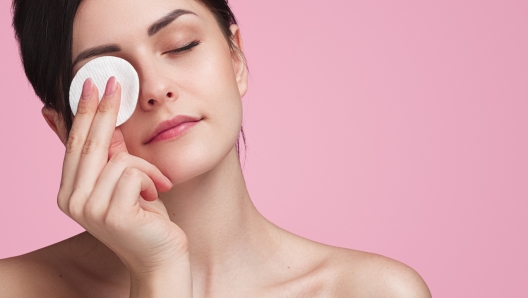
(92, 52)
(166, 20)
(153, 29)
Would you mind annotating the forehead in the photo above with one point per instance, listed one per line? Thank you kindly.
(111, 21)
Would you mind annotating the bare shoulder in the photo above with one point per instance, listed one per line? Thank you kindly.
(329, 271)
(70, 268)
(363, 274)
(30, 275)
(45, 272)
(14, 281)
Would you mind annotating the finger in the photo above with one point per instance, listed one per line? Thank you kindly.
(130, 186)
(125, 200)
(117, 144)
(94, 154)
(122, 160)
(105, 187)
(78, 133)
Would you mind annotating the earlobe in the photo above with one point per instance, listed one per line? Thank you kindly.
(55, 122)
(239, 60)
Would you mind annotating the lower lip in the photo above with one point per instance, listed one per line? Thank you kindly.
(173, 132)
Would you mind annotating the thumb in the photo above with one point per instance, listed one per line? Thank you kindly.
(117, 144)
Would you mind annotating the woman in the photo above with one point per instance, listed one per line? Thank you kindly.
(167, 212)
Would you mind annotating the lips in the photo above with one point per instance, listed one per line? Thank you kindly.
(170, 124)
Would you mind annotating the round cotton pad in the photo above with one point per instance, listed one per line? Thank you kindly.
(100, 70)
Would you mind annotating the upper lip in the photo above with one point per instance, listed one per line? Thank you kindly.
(168, 124)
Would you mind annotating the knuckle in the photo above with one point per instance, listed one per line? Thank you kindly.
(90, 146)
(74, 206)
(105, 107)
(75, 211)
(86, 213)
(74, 141)
(131, 172)
(62, 200)
(83, 108)
(90, 212)
(62, 203)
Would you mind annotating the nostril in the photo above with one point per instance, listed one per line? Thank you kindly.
(169, 95)
(151, 101)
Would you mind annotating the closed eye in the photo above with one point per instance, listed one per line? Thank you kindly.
(185, 48)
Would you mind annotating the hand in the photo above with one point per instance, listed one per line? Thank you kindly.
(114, 195)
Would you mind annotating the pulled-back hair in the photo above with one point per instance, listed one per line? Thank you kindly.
(44, 31)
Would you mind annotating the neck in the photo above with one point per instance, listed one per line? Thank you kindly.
(218, 217)
(223, 227)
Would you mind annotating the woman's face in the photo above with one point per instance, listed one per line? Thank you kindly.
(206, 81)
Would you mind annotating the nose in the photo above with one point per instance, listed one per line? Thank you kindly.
(155, 88)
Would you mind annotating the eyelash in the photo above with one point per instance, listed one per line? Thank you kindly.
(185, 48)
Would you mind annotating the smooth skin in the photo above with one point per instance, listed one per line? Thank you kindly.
(174, 218)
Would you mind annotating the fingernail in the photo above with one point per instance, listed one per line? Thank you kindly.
(169, 182)
(111, 86)
(87, 89)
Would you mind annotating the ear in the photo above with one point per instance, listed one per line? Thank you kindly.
(55, 122)
(239, 60)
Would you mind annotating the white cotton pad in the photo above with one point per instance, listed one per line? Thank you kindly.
(100, 70)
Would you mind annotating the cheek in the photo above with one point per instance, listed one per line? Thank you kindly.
(224, 107)
(212, 77)
(211, 84)
(133, 140)
(207, 87)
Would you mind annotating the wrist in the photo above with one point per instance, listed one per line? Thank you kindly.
(173, 280)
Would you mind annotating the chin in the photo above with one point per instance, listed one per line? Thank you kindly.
(183, 164)
(194, 153)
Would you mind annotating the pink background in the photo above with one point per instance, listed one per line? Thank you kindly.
(396, 127)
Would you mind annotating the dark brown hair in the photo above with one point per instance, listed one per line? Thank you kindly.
(44, 30)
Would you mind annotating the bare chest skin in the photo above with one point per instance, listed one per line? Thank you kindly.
(92, 289)
(318, 271)
(304, 287)
(61, 280)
